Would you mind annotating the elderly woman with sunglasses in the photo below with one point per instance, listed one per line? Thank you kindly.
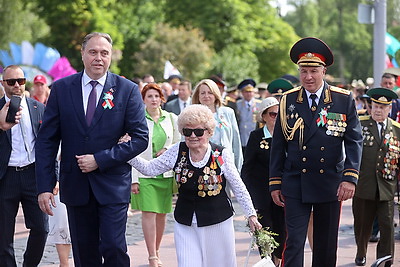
(203, 232)
(226, 132)
(255, 173)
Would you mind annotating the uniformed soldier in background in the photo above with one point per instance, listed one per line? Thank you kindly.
(278, 86)
(309, 171)
(378, 176)
(247, 109)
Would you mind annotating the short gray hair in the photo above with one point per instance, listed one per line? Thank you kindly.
(94, 34)
(194, 115)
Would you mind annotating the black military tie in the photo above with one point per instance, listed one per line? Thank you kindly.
(313, 104)
(382, 132)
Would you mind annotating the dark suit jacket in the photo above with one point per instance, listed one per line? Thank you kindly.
(36, 110)
(173, 106)
(395, 109)
(310, 164)
(64, 120)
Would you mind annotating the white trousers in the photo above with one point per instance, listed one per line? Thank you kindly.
(207, 246)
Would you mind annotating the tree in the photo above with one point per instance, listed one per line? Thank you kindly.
(339, 28)
(71, 20)
(14, 29)
(186, 49)
(137, 21)
(249, 26)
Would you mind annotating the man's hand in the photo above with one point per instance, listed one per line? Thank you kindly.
(87, 163)
(278, 198)
(44, 200)
(345, 191)
(3, 113)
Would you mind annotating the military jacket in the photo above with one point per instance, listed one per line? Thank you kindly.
(312, 155)
(380, 160)
(247, 121)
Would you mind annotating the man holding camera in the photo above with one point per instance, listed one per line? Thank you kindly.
(17, 170)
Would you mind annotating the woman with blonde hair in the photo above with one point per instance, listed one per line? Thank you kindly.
(226, 132)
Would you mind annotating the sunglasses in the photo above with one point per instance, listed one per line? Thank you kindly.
(11, 82)
(273, 114)
(188, 132)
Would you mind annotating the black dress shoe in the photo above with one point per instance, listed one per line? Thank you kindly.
(374, 238)
(360, 261)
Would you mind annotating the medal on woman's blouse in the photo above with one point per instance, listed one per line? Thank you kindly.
(264, 144)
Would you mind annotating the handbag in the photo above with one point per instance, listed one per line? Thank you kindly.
(265, 262)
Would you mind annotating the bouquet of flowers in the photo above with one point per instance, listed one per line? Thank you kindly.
(265, 241)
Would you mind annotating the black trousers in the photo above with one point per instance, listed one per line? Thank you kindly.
(326, 225)
(20, 187)
(98, 234)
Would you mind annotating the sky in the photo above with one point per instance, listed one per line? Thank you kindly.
(283, 6)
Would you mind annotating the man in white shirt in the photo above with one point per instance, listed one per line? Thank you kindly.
(17, 173)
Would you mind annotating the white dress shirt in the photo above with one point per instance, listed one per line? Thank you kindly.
(87, 88)
(22, 153)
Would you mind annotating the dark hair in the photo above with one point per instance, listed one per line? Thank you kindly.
(389, 76)
(153, 86)
(187, 83)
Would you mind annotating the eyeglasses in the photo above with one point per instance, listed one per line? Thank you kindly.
(272, 114)
(188, 132)
(11, 82)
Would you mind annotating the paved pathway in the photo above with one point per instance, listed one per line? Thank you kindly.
(138, 253)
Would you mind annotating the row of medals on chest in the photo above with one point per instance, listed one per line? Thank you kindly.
(208, 184)
(334, 127)
(392, 155)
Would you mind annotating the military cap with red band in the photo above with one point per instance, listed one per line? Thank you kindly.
(311, 51)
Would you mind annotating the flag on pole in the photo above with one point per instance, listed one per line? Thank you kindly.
(392, 45)
(169, 70)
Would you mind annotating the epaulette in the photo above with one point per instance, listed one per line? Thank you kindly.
(292, 90)
(365, 117)
(339, 90)
(396, 124)
(258, 101)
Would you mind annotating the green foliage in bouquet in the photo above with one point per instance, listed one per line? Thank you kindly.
(265, 240)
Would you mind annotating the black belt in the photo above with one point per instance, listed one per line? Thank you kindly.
(23, 168)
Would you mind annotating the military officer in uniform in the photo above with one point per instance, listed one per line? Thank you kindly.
(316, 126)
(247, 109)
(278, 86)
(378, 176)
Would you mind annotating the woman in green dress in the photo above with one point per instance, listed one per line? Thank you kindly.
(154, 196)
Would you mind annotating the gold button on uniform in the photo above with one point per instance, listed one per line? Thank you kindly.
(304, 159)
(322, 148)
(321, 171)
(304, 147)
(304, 170)
(322, 160)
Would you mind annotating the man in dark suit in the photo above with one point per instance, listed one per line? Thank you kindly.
(95, 179)
(378, 176)
(308, 170)
(17, 174)
(182, 101)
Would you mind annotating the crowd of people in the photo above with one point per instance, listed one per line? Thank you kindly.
(289, 151)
